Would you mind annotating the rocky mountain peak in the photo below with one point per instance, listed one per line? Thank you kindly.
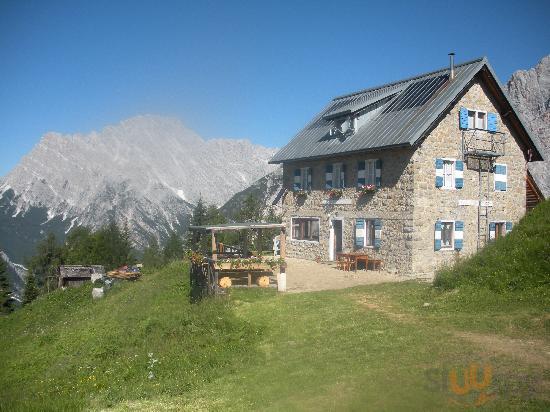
(530, 92)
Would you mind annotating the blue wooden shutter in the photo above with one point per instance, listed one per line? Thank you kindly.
(297, 179)
(492, 230)
(328, 177)
(459, 174)
(500, 176)
(438, 172)
(463, 118)
(343, 176)
(377, 233)
(437, 235)
(378, 172)
(492, 122)
(309, 178)
(360, 173)
(359, 233)
(508, 227)
(459, 234)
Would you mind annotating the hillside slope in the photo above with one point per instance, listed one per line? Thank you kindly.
(266, 190)
(69, 352)
(519, 261)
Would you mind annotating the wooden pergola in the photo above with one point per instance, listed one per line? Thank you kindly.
(248, 226)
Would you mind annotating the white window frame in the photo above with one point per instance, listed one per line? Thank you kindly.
(370, 164)
(366, 240)
(495, 181)
(475, 119)
(451, 247)
(453, 177)
(304, 217)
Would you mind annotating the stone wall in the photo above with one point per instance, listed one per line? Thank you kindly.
(392, 203)
(431, 203)
(408, 202)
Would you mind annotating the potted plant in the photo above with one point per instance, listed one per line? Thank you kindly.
(367, 189)
(335, 193)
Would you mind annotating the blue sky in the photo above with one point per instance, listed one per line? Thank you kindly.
(246, 69)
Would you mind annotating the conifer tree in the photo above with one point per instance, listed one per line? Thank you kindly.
(31, 290)
(6, 302)
(173, 248)
(152, 255)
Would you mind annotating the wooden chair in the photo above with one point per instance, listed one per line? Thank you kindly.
(346, 263)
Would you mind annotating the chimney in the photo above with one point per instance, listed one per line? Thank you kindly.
(452, 65)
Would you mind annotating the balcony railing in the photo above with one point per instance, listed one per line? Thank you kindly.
(480, 143)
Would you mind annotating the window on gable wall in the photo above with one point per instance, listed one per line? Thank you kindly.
(447, 231)
(448, 174)
(477, 119)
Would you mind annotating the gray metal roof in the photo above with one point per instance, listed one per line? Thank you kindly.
(408, 108)
(237, 226)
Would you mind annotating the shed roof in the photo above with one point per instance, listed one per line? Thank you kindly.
(407, 110)
(237, 226)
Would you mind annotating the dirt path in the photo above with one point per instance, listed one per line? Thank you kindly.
(307, 276)
(534, 352)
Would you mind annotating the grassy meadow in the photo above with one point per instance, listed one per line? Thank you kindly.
(399, 346)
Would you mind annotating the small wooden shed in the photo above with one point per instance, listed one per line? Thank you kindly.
(76, 275)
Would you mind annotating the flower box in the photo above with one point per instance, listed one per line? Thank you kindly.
(367, 189)
(335, 193)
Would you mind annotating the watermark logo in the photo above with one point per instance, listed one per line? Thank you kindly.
(468, 386)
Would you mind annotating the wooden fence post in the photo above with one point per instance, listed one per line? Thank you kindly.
(281, 278)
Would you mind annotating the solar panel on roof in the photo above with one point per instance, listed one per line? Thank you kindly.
(417, 94)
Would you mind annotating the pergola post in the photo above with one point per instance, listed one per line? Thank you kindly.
(214, 254)
(281, 278)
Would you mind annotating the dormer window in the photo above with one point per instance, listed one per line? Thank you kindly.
(343, 126)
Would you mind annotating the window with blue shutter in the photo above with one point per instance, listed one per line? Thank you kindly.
(378, 172)
(459, 234)
(359, 233)
(438, 172)
(492, 123)
(377, 233)
(463, 118)
(328, 177)
(360, 173)
(297, 180)
(459, 174)
(437, 235)
(508, 227)
(492, 230)
(500, 177)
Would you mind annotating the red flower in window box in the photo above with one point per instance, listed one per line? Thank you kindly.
(335, 193)
(366, 189)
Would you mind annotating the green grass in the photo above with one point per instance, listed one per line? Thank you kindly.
(519, 261)
(373, 347)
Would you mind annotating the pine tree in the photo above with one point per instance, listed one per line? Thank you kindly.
(198, 218)
(152, 255)
(173, 248)
(44, 265)
(31, 290)
(251, 210)
(6, 302)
